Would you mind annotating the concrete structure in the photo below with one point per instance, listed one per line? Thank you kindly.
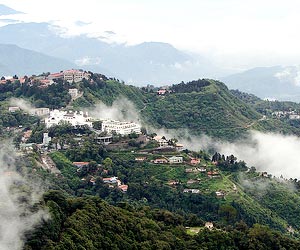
(175, 159)
(80, 164)
(195, 161)
(104, 139)
(209, 225)
(13, 109)
(41, 111)
(118, 127)
(57, 117)
(75, 75)
(160, 161)
(55, 76)
(123, 188)
(110, 180)
(46, 139)
(191, 190)
(161, 141)
(73, 93)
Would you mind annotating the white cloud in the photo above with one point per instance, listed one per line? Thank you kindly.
(88, 61)
(234, 33)
(16, 214)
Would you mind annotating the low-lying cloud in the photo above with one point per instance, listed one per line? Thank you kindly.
(274, 153)
(17, 196)
(122, 110)
(22, 104)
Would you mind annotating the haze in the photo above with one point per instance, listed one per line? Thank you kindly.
(234, 34)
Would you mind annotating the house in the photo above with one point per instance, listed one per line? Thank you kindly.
(179, 147)
(80, 164)
(110, 180)
(192, 170)
(55, 76)
(120, 127)
(195, 161)
(13, 109)
(26, 135)
(56, 117)
(175, 159)
(46, 82)
(140, 158)
(191, 181)
(191, 190)
(27, 147)
(161, 91)
(173, 183)
(73, 93)
(46, 139)
(209, 225)
(220, 194)
(162, 142)
(160, 161)
(104, 139)
(41, 111)
(123, 188)
(212, 173)
(74, 75)
(93, 180)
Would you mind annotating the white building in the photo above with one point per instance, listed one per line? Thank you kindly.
(74, 75)
(123, 128)
(161, 141)
(74, 118)
(73, 93)
(13, 109)
(46, 139)
(175, 159)
(41, 111)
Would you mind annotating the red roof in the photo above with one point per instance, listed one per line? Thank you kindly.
(80, 163)
(123, 187)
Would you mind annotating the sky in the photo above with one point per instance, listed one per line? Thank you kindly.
(233, 33)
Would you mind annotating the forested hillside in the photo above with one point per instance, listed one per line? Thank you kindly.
(90, 223)
(131, 193)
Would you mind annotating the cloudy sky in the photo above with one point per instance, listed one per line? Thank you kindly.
(235, 33)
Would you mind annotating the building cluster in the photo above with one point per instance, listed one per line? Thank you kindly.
(120, 127)
(171, 160)
(80, 118)
(292, 114)
(76, 118)
(71, 75)
(164, 143)
(36, 111)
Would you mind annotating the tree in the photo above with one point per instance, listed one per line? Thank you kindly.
(107, 162)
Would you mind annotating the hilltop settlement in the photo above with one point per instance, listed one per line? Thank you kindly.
(97, 164)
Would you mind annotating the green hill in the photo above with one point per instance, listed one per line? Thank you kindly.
(90, 223)
(199, 107)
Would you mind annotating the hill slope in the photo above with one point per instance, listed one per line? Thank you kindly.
(15, 60)
(281, 83)
(149, 62)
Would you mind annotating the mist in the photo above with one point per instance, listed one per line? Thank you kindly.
(274, 153)
(22, 104)
(122, 110)
(17, 196)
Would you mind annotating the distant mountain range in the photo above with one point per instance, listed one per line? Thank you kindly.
(5, 10)
(146, 63)
(281, 83)
(149, 62)
(15, 60)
